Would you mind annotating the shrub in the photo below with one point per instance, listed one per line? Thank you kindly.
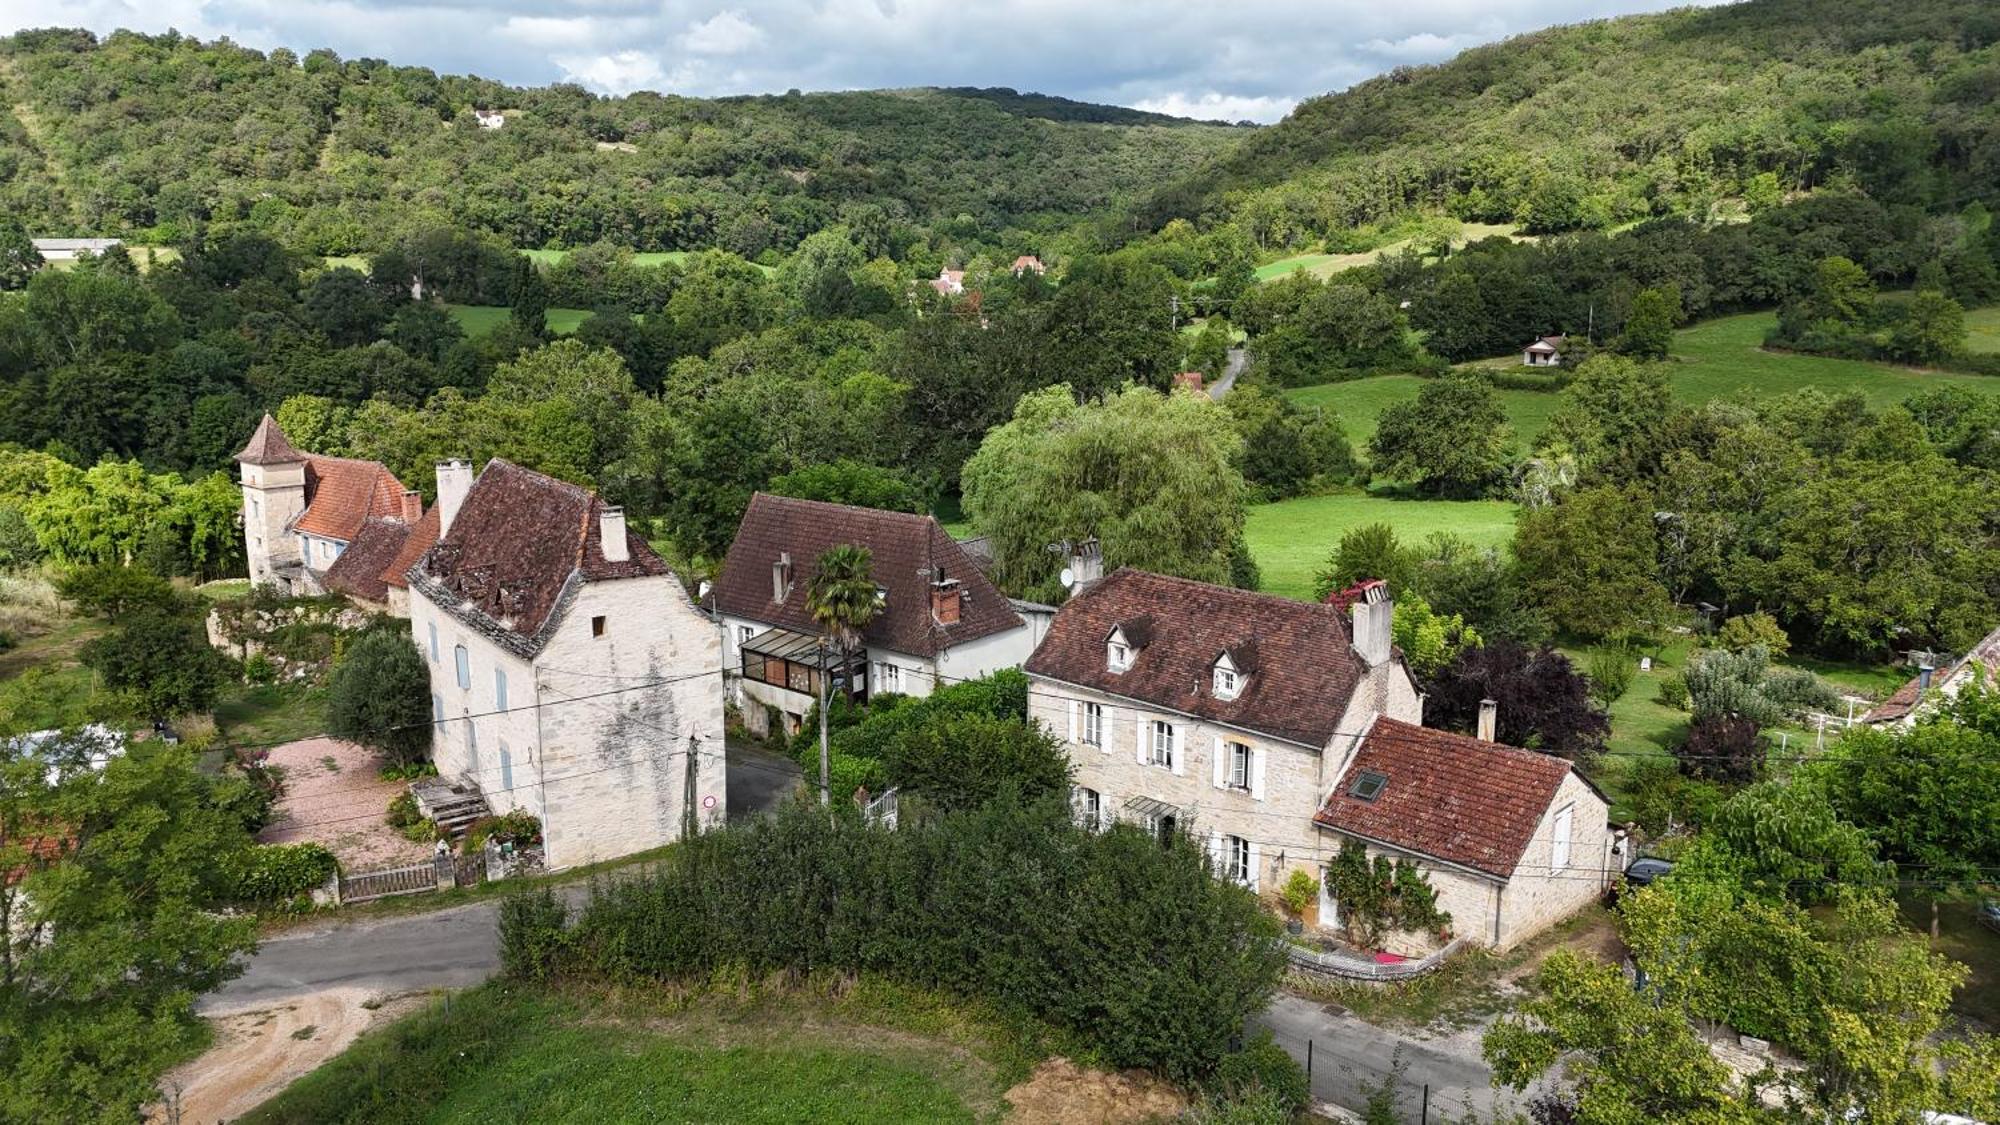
(518, 827)
(274, 872)
(1263, 1066)
(1299, 891)
(258, 669)
(112, 591)
(534, 934)
(1726, 748)
(1722, 682)
(1611, 670)
(1674, 691)
(381, 696)
(403, 811)
(1008, 902)
(1747, 629)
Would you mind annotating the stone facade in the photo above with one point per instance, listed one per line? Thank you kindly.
(273, 496)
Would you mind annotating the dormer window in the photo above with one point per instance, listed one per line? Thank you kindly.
(1117, 651)
(1228, 681)
(1367, 786)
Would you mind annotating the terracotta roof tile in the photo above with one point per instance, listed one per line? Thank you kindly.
(358, 572)
(1447, 796)
(905, 550)
(1985, 654)
(518, 540)
(422, 538)
(342, 494)
(1306, 667)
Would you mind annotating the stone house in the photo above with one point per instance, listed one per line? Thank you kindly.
(949, 282)
(940, 619)
(314, 524)
(1545, 351)
(1932, 684)
(572, 675)
(1238, 716)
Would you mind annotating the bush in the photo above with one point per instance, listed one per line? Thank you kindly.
(1724, 748)
(1009, 902)
(113, 592)
(1747, 629)
(403, 811)
(1674, 691)
(1663, 797)
(518, 827)
(381, 696)
(1611, 671)
(275, 872)
(1264, 1066)
(534, 935)
(258, 669)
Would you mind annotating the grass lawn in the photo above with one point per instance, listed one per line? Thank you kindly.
(644, 259)
(1360, 403)
(347, 261)
(1326, 265)
(478, 320)
(1291, 538)
(1722, 357)
(257, 714)
(509, 1052)
(1982, 327)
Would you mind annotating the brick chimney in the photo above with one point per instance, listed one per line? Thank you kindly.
(946, 596)
(413, 505)
(1489, 719)
(611, 533)
(454, 480)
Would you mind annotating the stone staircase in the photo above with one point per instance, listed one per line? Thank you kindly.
(453, 805)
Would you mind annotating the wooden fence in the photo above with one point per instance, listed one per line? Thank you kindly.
(1354, 966)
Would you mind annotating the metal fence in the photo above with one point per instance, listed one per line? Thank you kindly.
(1354, 966)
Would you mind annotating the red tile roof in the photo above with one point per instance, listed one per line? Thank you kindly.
(1306, 665)
(342, 494)
(421, 538)
(359, 571)
(1904, 700)
(1448, 796)
(906, 552)
(519, 540)
(268, 446)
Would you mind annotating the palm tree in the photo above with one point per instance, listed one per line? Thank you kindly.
(842, 600)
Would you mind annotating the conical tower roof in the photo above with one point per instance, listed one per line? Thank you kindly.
(269, 447)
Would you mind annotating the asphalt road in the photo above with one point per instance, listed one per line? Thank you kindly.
(1230, 370)
(460, 947)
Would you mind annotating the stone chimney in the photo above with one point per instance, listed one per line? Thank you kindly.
(946, 596)
(1374, 622)
(413, 505)
(611, 533)
(454, 480)
(1086, 565)
(1489, 719)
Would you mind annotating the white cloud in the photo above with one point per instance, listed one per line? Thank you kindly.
(1425, 46)
(724, 33)
(619, 72)
(1212, 106)
(546, 32)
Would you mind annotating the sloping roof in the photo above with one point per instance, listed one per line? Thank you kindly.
(1905, 699)
(342, 494)
(421, 538)
(268, 446)
(1447, 796)
(519, 540)
(907, 552)
(1027, 262)
(359, 570)
(1306, 667)
(1546, 344)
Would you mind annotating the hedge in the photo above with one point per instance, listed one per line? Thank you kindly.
(1133, 945)
(276, 872)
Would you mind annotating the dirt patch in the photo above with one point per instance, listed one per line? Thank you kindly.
(1060, 1092)
(334, 796)
(260, 1051)
(1594, 934)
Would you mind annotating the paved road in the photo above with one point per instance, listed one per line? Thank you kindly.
(1230, 370)
(1351, 1059)
(460, 947)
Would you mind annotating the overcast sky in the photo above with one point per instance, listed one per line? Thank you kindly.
(1230, 59)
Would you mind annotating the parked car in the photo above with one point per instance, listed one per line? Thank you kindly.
(1989, 914)
(1645, 870)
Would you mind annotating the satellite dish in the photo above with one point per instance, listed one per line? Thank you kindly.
(1067, 577)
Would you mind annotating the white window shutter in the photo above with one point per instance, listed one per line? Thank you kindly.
(1105, 743)
(1255, 867)
(1221, 764)
(1215, 855)
(1072, 720)
(1257, 774)
(1176, 750)
(1140, 732)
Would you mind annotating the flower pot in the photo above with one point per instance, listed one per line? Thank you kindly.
(1295, 926)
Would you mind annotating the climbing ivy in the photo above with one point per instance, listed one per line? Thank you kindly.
(1378, 895)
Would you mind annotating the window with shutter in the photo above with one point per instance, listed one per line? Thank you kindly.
(464, 660)
(1236, 858)
(1093, 724)
(1164, 744)
(1559, 858)
(1239, 766)
(499, 688)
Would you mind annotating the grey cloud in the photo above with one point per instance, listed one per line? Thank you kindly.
(1251, 56)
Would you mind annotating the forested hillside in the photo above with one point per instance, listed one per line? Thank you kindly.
(147, 136)
(1690, 112)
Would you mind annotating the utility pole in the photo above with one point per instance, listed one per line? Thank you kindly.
(690, 822)
(825, 764)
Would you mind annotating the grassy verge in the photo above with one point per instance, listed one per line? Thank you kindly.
(1291, 539)
(1982, 330)
(259, 714)
(733, 1050)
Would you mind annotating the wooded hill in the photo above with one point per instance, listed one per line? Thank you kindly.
(146, 136)
(1690, 112)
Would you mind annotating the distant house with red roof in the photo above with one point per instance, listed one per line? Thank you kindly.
(1277, 731)
(1934, 684)
(315, 524)
(949, 282)
(1028, 263)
